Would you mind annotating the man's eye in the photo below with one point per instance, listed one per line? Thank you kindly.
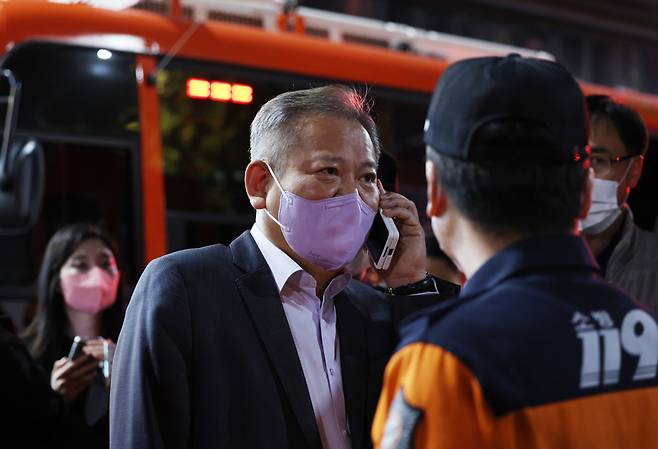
(330, 171)
(80, 266)
(370, 178)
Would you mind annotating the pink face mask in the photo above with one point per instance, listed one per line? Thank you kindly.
(327, 233)
(91, 292)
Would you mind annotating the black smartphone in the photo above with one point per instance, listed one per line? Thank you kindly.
(76, 347)
(382, 240)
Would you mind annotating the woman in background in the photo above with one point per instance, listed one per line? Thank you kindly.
(78, 295)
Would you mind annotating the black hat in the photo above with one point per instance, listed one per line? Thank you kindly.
(475, 92)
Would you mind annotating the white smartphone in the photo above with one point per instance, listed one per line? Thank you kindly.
(76, 347)
(382, 240)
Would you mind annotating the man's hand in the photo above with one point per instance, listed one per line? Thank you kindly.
(409, 263)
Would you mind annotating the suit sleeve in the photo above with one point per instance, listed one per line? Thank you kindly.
(150, 393)
(403, 307)
(430, 400)
(406, 307)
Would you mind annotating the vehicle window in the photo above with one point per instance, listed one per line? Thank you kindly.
(83, 110)
(205, 150)
(83, 183)
(70, 89)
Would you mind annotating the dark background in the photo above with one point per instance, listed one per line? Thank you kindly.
(602, 41)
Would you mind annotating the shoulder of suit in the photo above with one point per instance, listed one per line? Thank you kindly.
(193, 258)
(370, 301)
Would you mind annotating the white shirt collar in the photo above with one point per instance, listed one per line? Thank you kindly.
(283, 267)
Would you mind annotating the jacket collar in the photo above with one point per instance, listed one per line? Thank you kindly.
(260, 294)
(546, 252)
(261, 298)
(246, 254)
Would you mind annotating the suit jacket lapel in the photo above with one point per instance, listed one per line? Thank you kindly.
(351, 330)
(261, 297)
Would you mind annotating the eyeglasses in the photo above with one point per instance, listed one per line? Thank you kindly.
(602, 164)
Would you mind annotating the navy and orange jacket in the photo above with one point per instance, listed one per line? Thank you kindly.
(537, 352)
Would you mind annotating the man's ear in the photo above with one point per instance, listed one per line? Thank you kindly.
(256, 183)
(436, 199)
(587, 195)
(635, 171)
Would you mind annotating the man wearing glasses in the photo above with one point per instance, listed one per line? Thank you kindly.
(627, 255)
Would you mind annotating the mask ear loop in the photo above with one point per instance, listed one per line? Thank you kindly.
(278, 184)
(628, 169)
(283, 196)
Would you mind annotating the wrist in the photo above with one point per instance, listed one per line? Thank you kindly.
(425, 285)
(399, 281)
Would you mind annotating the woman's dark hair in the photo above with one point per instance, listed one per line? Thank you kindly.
(628, 123)
(46, 334)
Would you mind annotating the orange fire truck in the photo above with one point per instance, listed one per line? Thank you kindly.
(139, 120)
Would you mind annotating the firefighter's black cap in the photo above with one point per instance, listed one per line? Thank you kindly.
(476, 92)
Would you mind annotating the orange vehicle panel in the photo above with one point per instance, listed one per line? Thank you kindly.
(251, 47)
(229, 43)
(153, 195)
(241, 45)
(25, 20)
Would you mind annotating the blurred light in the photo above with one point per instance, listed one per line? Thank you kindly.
(104, 54)
(220, 91)
(198, 88)
(114, 5)
(242, 94)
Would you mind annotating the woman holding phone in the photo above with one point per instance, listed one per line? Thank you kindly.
(78, 318)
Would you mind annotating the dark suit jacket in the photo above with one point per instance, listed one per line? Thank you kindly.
(206, 359)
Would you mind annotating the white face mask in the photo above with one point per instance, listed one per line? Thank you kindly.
(605, 207)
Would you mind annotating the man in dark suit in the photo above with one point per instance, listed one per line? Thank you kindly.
(269, 343)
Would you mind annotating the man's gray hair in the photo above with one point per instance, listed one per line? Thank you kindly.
(276, 127)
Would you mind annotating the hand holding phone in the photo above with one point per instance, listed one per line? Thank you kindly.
(382, 240)
(72, 374)
(410, 262)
